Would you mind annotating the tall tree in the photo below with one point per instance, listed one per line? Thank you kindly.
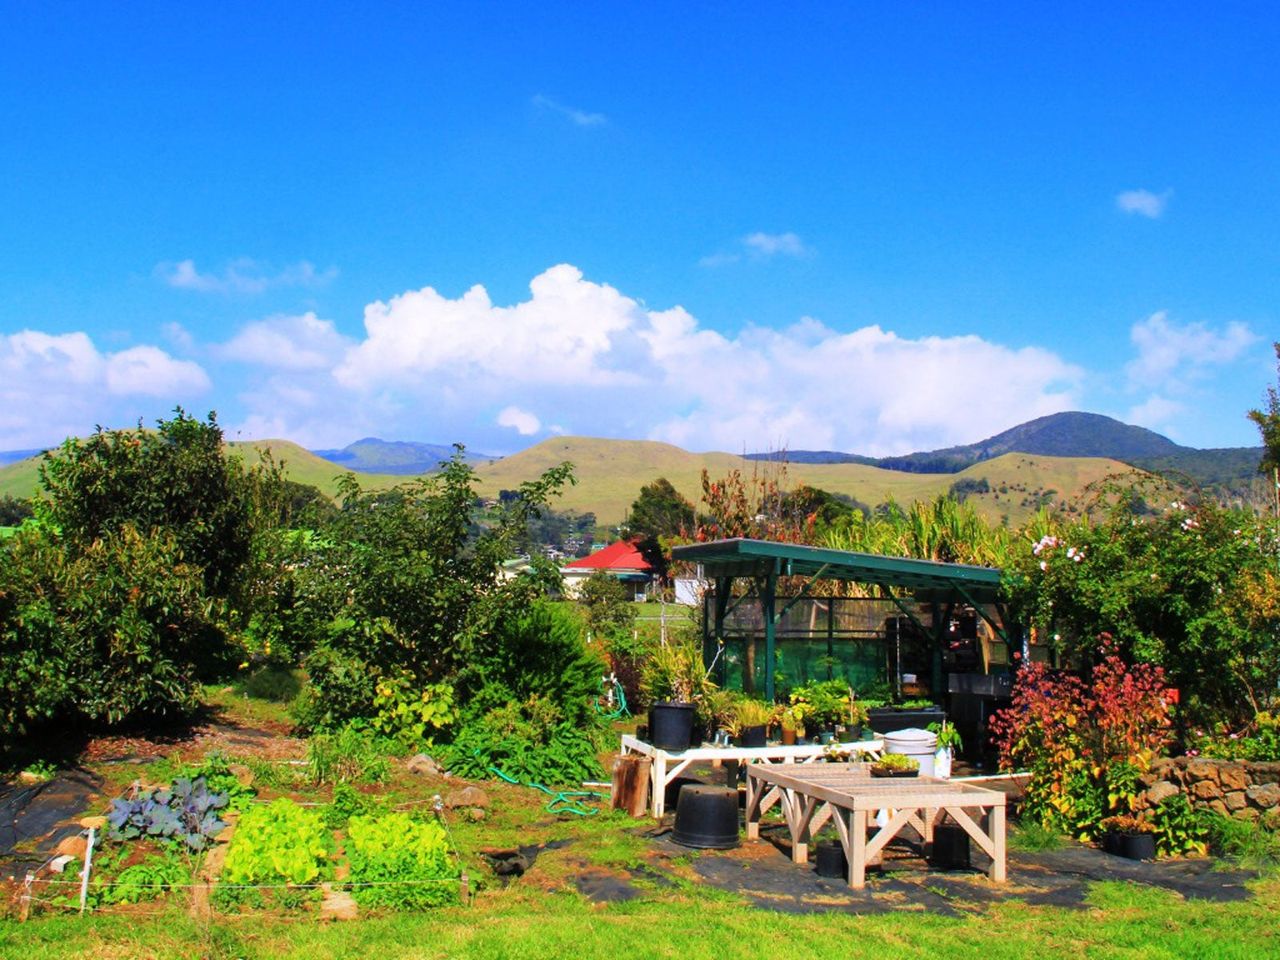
(659, 511)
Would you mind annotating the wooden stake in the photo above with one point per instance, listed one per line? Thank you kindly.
(84, 874)
(24, 910)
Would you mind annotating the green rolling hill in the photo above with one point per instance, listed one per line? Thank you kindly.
(22, 479)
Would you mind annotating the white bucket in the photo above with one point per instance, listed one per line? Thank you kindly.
(913, 742)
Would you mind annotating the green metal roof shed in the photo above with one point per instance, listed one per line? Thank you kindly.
(765, 561)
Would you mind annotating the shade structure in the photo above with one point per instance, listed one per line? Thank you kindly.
(764, 561)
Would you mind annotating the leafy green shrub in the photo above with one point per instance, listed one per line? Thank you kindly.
(531, 742)
(1084, 744)
(347, 756)
(1180, 829)
(409, 581)
(112, 630)
(410, 716)
(406, 862)
(538, 653)
(1191, 587)
(277, 842)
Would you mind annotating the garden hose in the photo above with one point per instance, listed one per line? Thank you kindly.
(620, 710)
(562, 801)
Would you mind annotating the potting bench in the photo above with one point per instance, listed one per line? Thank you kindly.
(850, 797)
(666, 766)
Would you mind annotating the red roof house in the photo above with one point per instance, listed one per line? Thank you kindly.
(622, 559)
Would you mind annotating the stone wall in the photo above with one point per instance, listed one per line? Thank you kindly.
(1250, 791)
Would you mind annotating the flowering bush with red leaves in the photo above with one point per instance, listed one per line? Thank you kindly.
(1085, 744)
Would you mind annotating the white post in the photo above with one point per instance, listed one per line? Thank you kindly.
(84, 874)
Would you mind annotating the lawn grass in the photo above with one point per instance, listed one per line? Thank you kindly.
(1121, 920)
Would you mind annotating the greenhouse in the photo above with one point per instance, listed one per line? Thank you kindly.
(930, 624)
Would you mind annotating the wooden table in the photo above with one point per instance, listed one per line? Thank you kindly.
(847, 795)
(669, 765)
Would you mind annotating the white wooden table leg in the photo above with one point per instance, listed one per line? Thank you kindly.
(659, 784)
(858, 849)
(995, 829)
(752, 814)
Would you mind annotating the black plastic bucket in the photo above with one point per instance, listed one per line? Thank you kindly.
(831, 861)
(707, 818)
(752, 737)
(671, 726)
(950, 848)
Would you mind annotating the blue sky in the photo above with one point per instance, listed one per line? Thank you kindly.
(874, 228)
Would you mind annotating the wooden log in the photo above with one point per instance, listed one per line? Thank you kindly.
(630, 791)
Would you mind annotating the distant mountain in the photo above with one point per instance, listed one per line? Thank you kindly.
(13, 456)
(372, 455)
(1069, 435)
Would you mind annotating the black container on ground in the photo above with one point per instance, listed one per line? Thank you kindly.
(1133, 846)
(752, 737)
(831, 861)
(950, 849)
(707, 818)
(671, 726)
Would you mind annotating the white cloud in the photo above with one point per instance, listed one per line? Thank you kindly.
(760, 246)
(430, 366)
(302, 342)
(152, 372)
(1170, 354)
(771, 244)
(568, 331)
(1157, 412)
(522, 421)
(57, 385)
(578, 117)
(244, 275)
(1144, 202)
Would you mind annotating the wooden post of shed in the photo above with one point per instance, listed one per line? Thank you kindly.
(630, 789)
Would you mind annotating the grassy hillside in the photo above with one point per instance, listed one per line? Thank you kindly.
(21, 479)
(611, 472)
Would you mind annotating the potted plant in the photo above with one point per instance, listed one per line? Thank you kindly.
(895, 765)
(674, 681)
(825, 703)
(1129, 836)
(855, 718)
(948, 743)
(751, 720)
(792, 720)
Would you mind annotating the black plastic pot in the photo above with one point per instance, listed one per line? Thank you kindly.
(752, 736)
(831, 861)
(671, 726)
(707, 818)
(1133, 846)
(850, 734)
(950, 849)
